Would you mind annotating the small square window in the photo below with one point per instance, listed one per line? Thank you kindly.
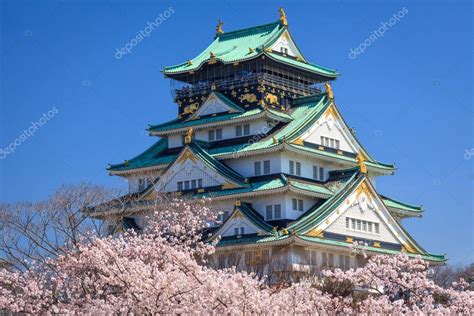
(180, 186)
(236, 231)
(376, 226)
(300, 205)
(268, 212)
(347, 222)
(242, 230)
(277, 211)
(238, 130)
(257, 168)
(266, 167)
(295, 204)
(315, 172)
(364, 226)
(219, 133)
(353, 223)
(369, 227)
(193, 184)
(321, 173)
(199, 183)
(186, 185)
(359, 224)
(337, 144)
(247, 129)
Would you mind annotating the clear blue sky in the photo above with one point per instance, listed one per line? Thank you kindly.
(409, 95)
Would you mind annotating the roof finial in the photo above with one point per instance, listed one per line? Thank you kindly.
(329, 90)
(219, 27)
(283, 17)
(189, 136)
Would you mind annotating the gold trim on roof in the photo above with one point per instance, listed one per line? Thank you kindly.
(219, 27)
(283, 19)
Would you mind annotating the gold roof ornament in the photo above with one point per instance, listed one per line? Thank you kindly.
(329, 90)
(189, 136)
(361, 163)
(251, 50)
(283, 17)
(189, 62)
(219, 27)
(237, 203)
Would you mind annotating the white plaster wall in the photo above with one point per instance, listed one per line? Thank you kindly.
(284, 41)
(245, 165)
(237, 223)
(307, 204)
(307, 164)
(329, 127)
(260, 203)
(339, 226)
(257, 127)
(189, 170)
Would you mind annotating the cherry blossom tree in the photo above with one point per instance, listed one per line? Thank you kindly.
(164, 270)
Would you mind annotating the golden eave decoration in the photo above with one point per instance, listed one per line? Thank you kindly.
(361, 163)
(283, 19)
(329, 90)
(189, 136)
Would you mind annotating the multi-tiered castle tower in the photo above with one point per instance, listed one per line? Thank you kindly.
(258, 131)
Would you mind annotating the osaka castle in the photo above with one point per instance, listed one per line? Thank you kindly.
(259, 133)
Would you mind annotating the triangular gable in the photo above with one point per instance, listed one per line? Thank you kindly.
(243, 216)
(332, 125)
(194, 164)
(286, 41)
(216, 103)
(364, 204)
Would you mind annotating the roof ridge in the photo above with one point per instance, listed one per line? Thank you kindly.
(247, 29)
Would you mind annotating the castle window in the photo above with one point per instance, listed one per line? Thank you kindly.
(248, 257)
(180, 186)
(344, 262)
(186, 185)
(284, 50)
(330, 142)
(215, 134)
(269, 212)
(277, 211)
(242, 130)
(247, 129)
(362, 225)
(193, 184)
(311, 257)
(315, 173)
(257, 168)
(321, 173)
(199, 183)
(266, 256)
(298, 168)
(218, 133)
(298, 205)
(242, 230)
(236, 231)
(292, 167)
(266, 167)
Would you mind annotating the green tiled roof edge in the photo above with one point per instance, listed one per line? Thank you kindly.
(253, 216)
(174, 124)
(400, 205)
(157, 147)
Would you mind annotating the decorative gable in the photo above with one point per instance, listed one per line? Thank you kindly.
(189, 168)
(363, 215)
(215, 103)
(331, 131)
(239, 224)
(285, 44)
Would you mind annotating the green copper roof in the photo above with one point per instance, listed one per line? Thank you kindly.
(389, 202)
(246, 44)
(254, 239)
(178, 123)
(149, 158)
(301, 117)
